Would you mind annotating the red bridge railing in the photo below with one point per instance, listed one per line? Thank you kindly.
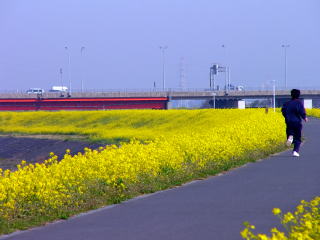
(34, 104)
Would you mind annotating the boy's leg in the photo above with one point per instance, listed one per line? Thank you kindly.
(290, 128)
(290, 133)
(297, 137)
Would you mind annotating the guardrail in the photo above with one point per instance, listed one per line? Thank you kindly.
(139, 90)
(174, 92)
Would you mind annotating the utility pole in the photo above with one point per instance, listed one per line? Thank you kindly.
(163, 49)
(69, 71)
(82, 60)
(285, 46)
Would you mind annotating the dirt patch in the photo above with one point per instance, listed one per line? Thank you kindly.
(15, 149)
(46, 136)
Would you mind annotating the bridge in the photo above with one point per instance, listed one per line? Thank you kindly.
(156, 99)
(173, 93)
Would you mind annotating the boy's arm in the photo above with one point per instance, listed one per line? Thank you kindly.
(302, 112)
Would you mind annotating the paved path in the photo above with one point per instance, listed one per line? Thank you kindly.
(211, 209)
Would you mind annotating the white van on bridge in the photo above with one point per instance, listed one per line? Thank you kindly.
(59, 89)
(35, 91)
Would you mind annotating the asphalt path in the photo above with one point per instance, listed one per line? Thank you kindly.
(214, 208)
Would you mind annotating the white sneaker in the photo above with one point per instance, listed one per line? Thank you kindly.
(289, 141)
(295, 154)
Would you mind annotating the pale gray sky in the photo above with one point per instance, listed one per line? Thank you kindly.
(122, 39)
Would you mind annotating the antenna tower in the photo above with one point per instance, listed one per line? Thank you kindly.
(183, 80)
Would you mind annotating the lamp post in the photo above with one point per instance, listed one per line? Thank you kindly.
(285, 46)
(274, 94)
(227, 70)
(81, 54)
(69, 70)
(61, 79)
(214, 100)
(163, 49)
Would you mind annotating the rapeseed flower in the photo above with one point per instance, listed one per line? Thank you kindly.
(158, 146)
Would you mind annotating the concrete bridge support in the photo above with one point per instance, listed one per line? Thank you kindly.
(169, 103)
(241, 104)
(307, 103)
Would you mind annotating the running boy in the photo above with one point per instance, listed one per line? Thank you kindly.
(293, 112)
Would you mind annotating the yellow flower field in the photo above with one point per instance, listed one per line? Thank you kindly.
(303, 224)
(314, 112)
(119, 125)
(162, 148)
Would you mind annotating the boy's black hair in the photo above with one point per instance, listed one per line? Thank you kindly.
(295, 93)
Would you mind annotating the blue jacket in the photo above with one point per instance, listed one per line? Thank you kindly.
(293, 111)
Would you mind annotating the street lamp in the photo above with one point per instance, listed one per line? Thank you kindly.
(81, 53)
(61, 81)
(163, 49)
(227, 72)
(69, 71)
(274, 94)
(214, 100)
(285, 46)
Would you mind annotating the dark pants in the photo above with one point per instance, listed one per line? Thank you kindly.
(294, 129)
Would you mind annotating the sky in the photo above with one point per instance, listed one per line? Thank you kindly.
(121, 40)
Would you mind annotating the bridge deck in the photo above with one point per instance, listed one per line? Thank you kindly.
(173, 94)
